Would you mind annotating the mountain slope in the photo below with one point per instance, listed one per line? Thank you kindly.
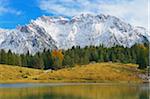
(26, 39)
(63, 33)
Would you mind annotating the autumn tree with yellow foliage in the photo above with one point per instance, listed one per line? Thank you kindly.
(57, 58)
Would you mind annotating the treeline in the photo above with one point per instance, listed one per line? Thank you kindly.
(56, 59)
(41, 60)
(137, 54)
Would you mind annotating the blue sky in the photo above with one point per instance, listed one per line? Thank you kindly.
(20, 12)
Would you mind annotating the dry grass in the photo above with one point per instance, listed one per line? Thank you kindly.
(17, 73)
(99, 72)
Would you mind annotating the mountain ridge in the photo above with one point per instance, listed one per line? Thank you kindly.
(63, 33)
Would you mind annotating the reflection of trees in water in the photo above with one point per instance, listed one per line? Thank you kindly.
(102, 91)
(144, 93)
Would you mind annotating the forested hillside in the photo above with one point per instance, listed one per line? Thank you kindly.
(56, 59)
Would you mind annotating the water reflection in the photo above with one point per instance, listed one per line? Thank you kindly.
(91, 91)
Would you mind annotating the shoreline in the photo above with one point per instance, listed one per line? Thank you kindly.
(69, 81)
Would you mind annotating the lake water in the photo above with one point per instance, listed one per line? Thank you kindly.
(74, 91)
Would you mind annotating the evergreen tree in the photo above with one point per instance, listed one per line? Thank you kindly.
(3, 58)
(23, 60)
(142, 57)
(38, 61)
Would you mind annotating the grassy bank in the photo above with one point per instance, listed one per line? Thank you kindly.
(98, 72)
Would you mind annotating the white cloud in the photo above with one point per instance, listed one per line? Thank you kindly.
(135, 12)
(4, 8)
(132, 11)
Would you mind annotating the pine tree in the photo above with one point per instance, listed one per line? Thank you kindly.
(10, 58)
(23, 60)
(3, 57)
(38, 61)
(142, 57)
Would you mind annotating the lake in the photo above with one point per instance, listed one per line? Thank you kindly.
(74, 91)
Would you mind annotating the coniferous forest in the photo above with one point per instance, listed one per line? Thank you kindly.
(57, 59)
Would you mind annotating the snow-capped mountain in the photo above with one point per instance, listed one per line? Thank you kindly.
(63, 33)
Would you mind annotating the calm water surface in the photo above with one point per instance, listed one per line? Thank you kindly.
(74, 91)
